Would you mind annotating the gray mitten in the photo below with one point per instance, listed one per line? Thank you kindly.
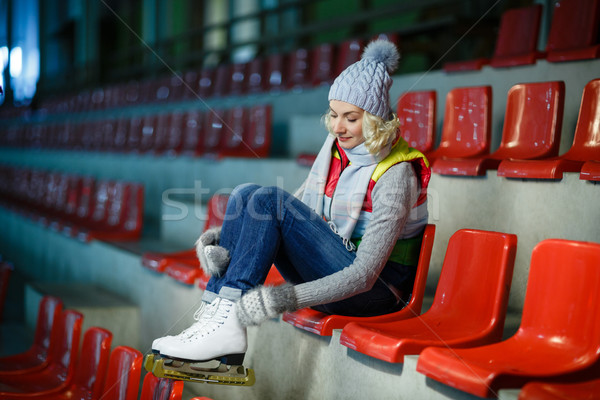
(214, 259)
(265, 302)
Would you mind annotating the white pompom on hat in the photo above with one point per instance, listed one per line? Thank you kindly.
(366, 83)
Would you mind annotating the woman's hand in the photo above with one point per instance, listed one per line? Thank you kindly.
(214, 259)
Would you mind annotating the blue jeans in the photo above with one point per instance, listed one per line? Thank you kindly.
(266, 225)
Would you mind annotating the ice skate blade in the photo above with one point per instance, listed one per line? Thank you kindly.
(208, 372)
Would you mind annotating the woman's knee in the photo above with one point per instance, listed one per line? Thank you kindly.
(243, 192)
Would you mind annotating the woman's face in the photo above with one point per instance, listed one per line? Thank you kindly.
(346, 123)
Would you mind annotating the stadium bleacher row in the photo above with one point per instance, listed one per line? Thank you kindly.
(58, 367)
(456, 341)
(78, 206)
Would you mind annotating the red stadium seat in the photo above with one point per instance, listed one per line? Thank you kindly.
(324, 324)
(233, 143)
(238, 80)
(467, 130)
(298, 72)
(276, 80)
(590, 171)
(348, 52)
(322, 63)
(417, 112)
(124, 372)
(193, 133)
(574, 31)
(256, 76)
(258, 137)
(222, 80)
(558, 335)
(62, 355)
(516, 43)
(214, 125)
(89, 373)
(468, 308)
(6, 269)
(154, 388)
(579, 390)
(36, 357)
(586, 144)
(206, 84)
(532, 127)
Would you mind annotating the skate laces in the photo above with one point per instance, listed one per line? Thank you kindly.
(220, 309)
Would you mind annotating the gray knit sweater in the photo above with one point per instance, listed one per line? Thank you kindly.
(393, 196)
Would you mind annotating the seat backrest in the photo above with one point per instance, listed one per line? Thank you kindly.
(276, 78)
(467, 128)
(476, 276)
(193, 133)
(155, 388)
(238, 79)
(206, 83)
(6, 269)
(233, 142)
(123, 377)
(299, 62)
(213, 131)
(134, 208)
(255, 83)
(417, 112)
(348, 52)
(93, 361)
(48, 311)
(586, 141)
(574, 25)
(519, 31)
(322, 62)
(222, 80)
(532, 121)
(258, 135)
(149, 125)
(418, 292)
(64, 341)
(572, 269)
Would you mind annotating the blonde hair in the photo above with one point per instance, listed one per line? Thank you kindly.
(376, 131)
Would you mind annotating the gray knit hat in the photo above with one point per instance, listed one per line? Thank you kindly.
(366, 83)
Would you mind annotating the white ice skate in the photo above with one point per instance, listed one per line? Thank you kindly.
(211, 350)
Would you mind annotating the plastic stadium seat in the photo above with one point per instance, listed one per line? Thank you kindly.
(162, 132)
(238, 79)
(36, 357)
(89, 373)
(124, 372)
(516, 43)
(148, 133)
(173, 141)
(348, 53)
(518, 37)
(154, 388)
(298, 72)
(467, 129)
(159, 261)
(233, 143)
(255, 83)
(214, 125)
(324, 324)
(468, 308)
(258, 137)
(590, 171)
(206, 84)
(6, 269)
(417, 112)
(580, 390)
(134, 134)
(222, 80)
(532, 127)
(190, 85)
(193, 133)
(322, 63)
(276, 80)
(558, 335)
(586, 144)
(574, 31)
(62, 356)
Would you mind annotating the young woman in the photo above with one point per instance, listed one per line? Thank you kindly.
(346, 243)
